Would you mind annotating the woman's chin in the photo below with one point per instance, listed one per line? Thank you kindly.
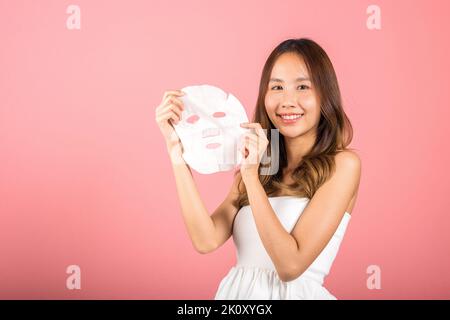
(290, 133)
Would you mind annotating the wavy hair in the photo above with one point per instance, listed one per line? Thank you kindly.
(334, 131)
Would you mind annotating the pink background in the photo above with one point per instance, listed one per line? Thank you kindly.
(85, 178)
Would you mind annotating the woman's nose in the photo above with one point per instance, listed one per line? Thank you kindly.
(289, 100)
(210, 132)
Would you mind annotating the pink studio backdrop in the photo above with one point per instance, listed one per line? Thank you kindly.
(85, 178)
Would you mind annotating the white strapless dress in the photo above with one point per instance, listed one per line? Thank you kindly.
(254, 276)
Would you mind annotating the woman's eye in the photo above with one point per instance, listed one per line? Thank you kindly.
(302, 87)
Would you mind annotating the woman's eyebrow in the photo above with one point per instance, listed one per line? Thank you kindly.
(298, 79)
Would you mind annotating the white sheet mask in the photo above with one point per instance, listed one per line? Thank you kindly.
(210, 129)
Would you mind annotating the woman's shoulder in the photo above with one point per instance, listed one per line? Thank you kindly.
(348, 158)
(348, 162)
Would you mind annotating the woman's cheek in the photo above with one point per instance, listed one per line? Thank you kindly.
(310, 101)
(271, 104)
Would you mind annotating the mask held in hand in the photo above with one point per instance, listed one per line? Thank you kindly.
(210, 129)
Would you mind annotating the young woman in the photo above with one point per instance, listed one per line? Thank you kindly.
(287, 226)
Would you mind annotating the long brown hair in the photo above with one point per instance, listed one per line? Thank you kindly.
(334, 131)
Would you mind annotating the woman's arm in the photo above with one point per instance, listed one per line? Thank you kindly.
(292, 253)
(207, 232)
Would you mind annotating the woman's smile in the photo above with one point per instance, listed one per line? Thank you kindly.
(290, 118)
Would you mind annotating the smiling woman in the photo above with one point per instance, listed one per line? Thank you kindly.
(287, 226)
(299, 95)
(290, 225)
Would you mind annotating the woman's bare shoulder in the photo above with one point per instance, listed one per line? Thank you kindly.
(350, 161)
(348, 158)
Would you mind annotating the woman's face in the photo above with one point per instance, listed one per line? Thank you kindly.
(291, 101)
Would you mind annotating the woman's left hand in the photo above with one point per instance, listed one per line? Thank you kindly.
(254, 145)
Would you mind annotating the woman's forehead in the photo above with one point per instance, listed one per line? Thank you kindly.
(289, 66)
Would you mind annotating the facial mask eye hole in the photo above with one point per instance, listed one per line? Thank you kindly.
(219, 114)
(192, 119)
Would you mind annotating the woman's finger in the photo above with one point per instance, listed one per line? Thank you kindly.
(174, 100)
(175, 118)
(178, 93)
(250, 144)
(175, 108)
(254, 138)
(170, 114)
(250, 136)
(256, 126)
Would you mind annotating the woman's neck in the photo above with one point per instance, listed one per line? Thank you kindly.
(297, 148)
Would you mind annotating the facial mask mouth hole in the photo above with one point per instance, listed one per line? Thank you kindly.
(213, 145)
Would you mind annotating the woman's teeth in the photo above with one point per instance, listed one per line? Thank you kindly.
(291, 117)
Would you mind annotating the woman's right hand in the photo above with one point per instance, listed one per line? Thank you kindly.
(168, 113)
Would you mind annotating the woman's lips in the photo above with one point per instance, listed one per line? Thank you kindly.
(290, 119)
